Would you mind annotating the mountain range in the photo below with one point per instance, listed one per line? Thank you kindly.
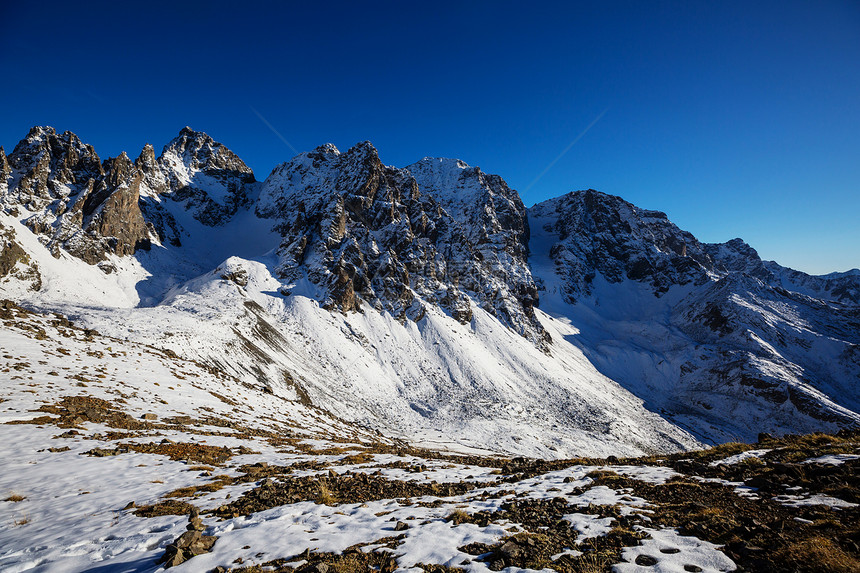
(427, 302)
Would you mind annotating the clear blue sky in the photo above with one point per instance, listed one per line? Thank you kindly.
(739, 119)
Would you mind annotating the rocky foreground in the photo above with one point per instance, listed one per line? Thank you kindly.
(124, 457)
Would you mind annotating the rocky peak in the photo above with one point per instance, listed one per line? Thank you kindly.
(75, 201)
(51, 167)
(315, 178)
(5, 171)
(146, 159)
(154, 181)
(362, 231)
(600, 233)
(199, 152)
(209, 179)
(737, 256)
(483, 203)
(327, 149)
(118, 169)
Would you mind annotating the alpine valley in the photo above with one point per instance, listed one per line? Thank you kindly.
(427, 303)
(357, 368)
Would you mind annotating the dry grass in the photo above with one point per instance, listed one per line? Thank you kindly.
(219, 482)
(167, 507)
(752, 462)
(326, 497)
(720, 452)
(711, 512)
(590, 563)
(818, 554)
(458, 516)
(15, 498)
(359, 458)
(22, 521)
(604, 476)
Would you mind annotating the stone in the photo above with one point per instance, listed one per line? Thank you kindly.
(510, 551)
(645, 560)
(189, 544)
(188, 538)
(174, 557)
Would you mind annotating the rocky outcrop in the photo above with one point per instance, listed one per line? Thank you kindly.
(74, 201)
(599, 233)
(361, 231)
(5, 171)
(15, 263)
(775, 347)
(209, 179)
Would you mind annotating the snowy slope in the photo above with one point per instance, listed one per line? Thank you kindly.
(433, 382)
(109, 444)
(694, 329)
(428, 304)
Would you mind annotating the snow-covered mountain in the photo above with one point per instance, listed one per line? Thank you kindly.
(711, 336)
(427, 302)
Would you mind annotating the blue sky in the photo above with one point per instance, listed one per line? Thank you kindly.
(738, 119)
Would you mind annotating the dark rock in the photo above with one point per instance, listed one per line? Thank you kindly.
(381, 234)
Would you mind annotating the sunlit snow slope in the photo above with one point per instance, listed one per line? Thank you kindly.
(427, 303)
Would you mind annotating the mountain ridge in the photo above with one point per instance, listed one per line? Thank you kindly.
(554, 320)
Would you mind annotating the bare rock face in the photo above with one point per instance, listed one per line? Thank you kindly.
(5, 171)
(362, 231)
(118, 215)
(599, 233)
(75, 202)
(211, 181)
(15, 263)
